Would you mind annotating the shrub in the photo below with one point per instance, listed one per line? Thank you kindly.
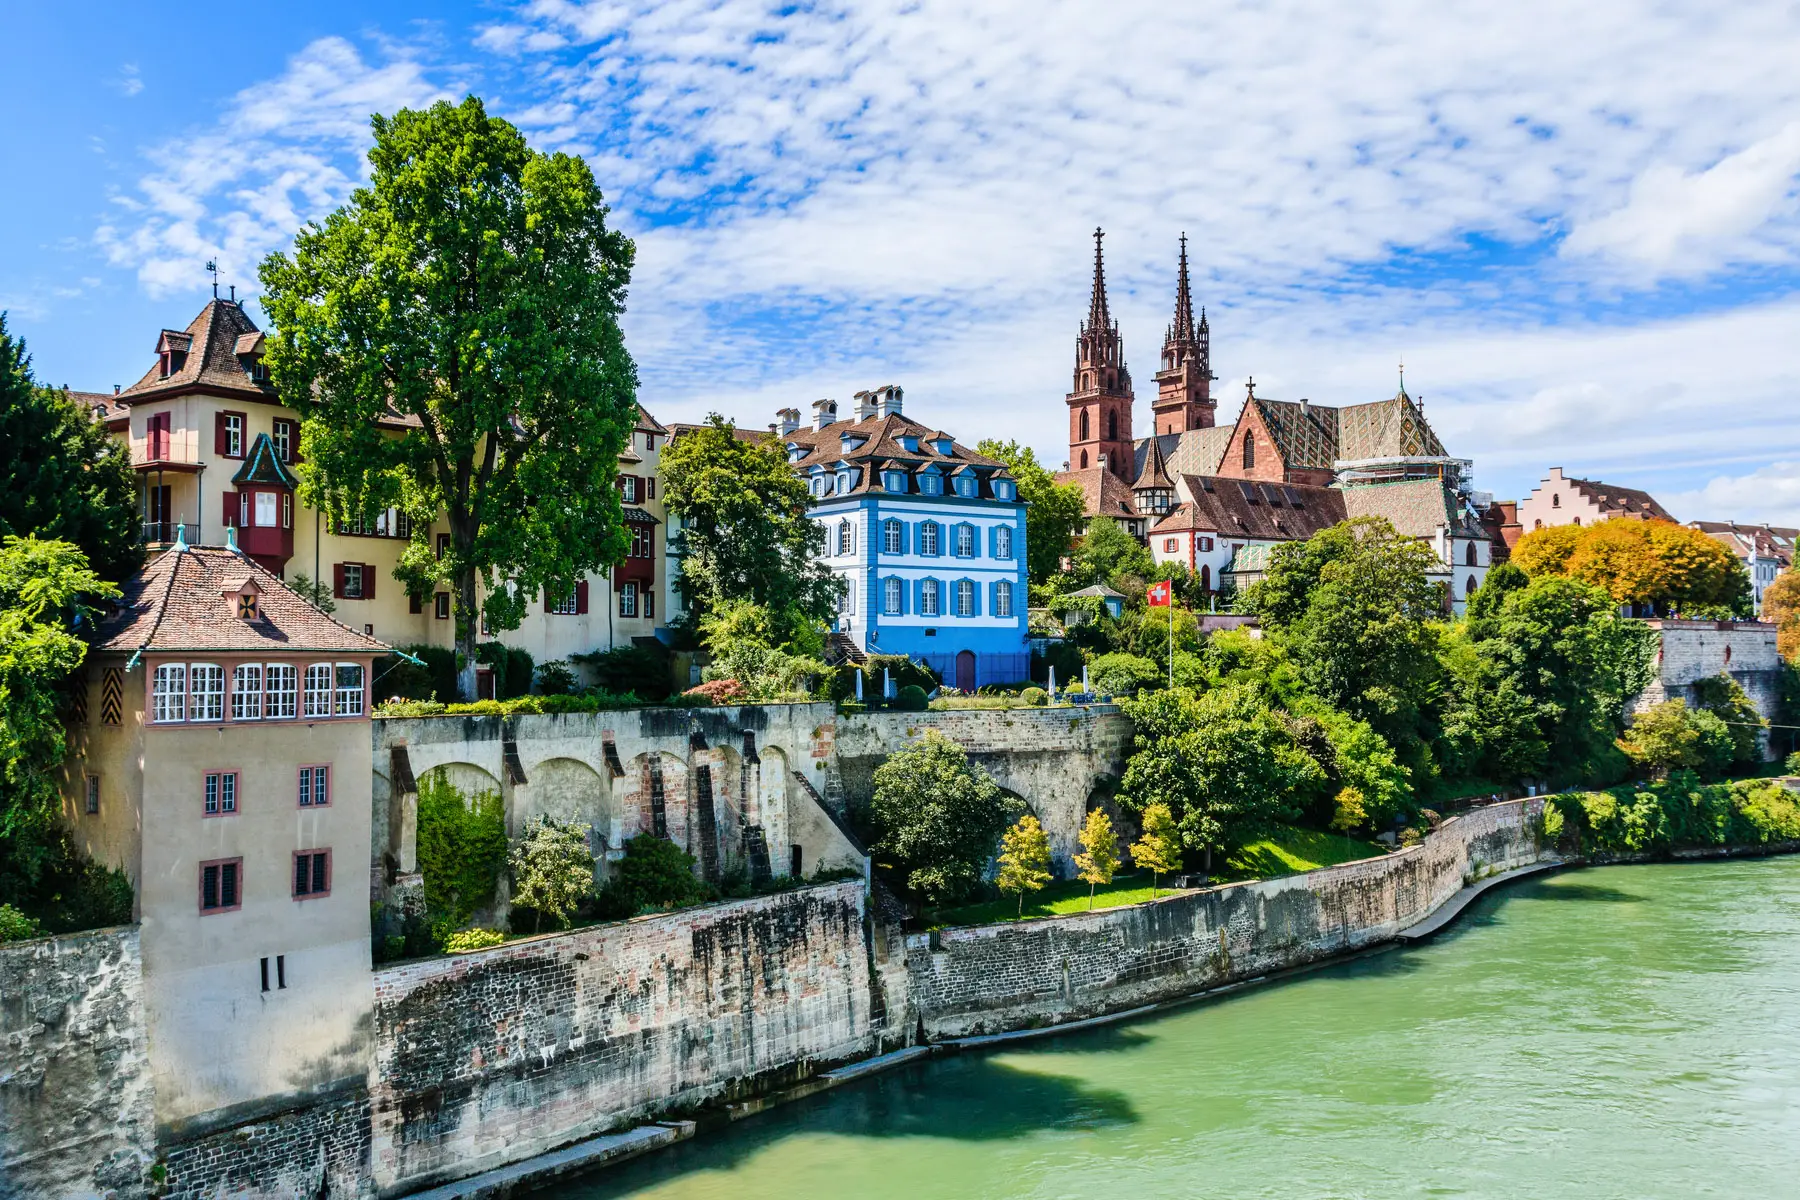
(654, 872)
(936, 818)
(912, 698)
(876, 669)
(1672, 737)
(1037, 697)
(556, 678)
(462, 849)
(552, 869)
(512, 668)
(1124, 674)
(15, 926)
(717, 691)
(764, 672)
(465, 940)
(409, 681)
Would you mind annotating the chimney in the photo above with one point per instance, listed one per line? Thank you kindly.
(887, 400)
(865, 405)
(115, 389)
(824, 413)
(1305, 407)
(789, 419)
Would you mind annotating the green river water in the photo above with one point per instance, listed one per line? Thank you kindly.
(1619, 1032)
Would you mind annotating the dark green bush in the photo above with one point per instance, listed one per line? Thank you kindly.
(555, 678)
(15, 926)
(654, 873)
(876, 669)
(395, 676)
(912, 699)
(1679, 812)
(628, 669)
(513, 668)
(462, 850)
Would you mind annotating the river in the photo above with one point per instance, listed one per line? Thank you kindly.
(1618, 1032)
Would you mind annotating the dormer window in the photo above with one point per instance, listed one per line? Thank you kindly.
(965, 485)
(911, 443)
(246, 606)
(931, 484)
(818, 487)
(945, 446)
(1003, 489)
(795, 453)
(845, 481)
(894, 481)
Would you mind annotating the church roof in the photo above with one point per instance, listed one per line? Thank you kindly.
(178, 602)
(1243, 508)
(1195, 452)
(1151, 472)
(211, 343)
(1415, 507)
(1306, 435)
(1393, 428)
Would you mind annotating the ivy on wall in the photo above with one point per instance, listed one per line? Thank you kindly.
(462, 850)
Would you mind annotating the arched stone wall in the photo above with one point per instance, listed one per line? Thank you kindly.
(566, 789)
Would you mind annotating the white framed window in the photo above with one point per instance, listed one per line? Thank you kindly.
(206, 692)
(931, 484)
(628, 488)
(818, 486)
(279, 696)
(287, 510)
(234, 435)
(890, 536)
(353, 581)
(168, 693)
(315, 786)
(349, 690)
(965, 598)
(965, 485)
(843, 481)
(1003, 598)
(221, 794)
(1002, 489)
(928, 538)
(846, 538)
(628, 598)
(243, 517)
(318, 690)
(265, 510)
(848, 605)
(1204, 543)
(892, 591)
(928, 598)
(895, 481)
(1003, 541)
(965, 541)
(247, 692)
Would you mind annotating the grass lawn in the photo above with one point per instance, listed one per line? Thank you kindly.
(1288, 852)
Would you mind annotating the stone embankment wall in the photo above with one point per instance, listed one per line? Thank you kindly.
(1690, 651)
(1000, 977)
(76, 1115)
(1055, 759)
(488, 1058)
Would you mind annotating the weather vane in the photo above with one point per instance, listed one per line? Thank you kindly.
(212, 264)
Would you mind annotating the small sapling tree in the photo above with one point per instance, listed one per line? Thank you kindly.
(552, 869)
(1024, 859)
(1099, 856)
(1159, 848)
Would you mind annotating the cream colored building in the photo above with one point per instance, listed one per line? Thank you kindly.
(221, 760)
(215, 448)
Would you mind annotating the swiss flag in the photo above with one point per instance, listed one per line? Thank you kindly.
(1158, 595)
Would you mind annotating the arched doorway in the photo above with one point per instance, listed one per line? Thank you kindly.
(965, 671)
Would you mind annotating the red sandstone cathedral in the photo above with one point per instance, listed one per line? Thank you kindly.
(1216, 497)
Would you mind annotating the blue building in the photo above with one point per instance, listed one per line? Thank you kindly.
(928, 536)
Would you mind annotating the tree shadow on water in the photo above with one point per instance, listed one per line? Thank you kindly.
(1581, 891)
(969, 1097)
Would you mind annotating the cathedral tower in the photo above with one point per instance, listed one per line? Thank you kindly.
(1100, 405)
(1184, 385)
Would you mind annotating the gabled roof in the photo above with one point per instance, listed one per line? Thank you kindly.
(104, 406)
(1393, 428)
(1746, 541)
(1152, 474)
(178, 603)
(211, 341)
(1306, 435)
(1107, 494)
(1617, 501)
(1242, 508)
(647, 423)
(263, 465)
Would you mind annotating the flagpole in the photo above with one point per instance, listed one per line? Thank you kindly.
(1171, 635)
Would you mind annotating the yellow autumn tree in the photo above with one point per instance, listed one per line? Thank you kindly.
(1024, 859)
(1781, 608)
(1099, 856)
(1159, 848)
(1655, 563)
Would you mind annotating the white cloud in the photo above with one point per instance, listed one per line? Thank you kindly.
(284, 152)
(1769, 495)
(1680, 223)
(129, 83)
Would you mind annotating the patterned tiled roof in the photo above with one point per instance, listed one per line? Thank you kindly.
(1241, 508)
(1417, 508)
(263, 465)
(211, 341)
(1392, 428)
(179, 602)
(1306, 435)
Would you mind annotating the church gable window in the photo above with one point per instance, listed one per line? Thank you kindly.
(1249, 450)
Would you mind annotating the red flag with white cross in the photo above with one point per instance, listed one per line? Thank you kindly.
(1158, 595)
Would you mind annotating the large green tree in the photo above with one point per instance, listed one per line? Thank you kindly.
(937, 818)
(745, 532)
(1224, 763)
(45, 588)
(62, 475)
(451, 337)
(1354, 607)
(1056, 508)
(1110, 555)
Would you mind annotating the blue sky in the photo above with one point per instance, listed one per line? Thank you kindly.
(1579, 226)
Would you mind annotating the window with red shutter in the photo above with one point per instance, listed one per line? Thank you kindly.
(337, 580)
(218, 433)
(581, 599)
(231, 508)
(368, 581)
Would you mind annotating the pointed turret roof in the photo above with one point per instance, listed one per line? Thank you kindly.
(1181, 330)
(1099, 316)
(1154, 473)
(215, 344)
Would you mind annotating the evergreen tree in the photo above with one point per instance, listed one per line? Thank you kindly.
(62, 476)
(1099, 857)
(1024, 859)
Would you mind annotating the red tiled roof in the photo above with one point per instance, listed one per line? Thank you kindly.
(178, 603)
(1107, 494)
(881, 446)
(1243, 508)
(1621, 501)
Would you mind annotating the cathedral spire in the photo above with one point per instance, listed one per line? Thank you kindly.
(1184, 301)
(1100, 401)
(1184, 385)
(1099, 317)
